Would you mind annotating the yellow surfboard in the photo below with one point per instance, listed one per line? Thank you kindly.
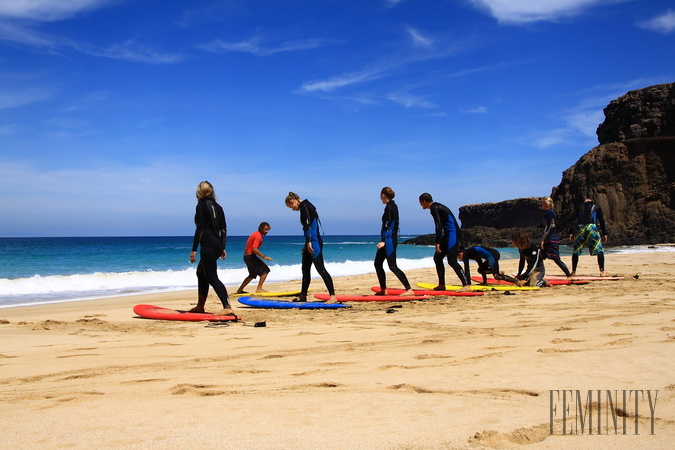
(267, 294)
(475, 287)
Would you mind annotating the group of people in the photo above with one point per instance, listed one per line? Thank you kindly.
(211, 236)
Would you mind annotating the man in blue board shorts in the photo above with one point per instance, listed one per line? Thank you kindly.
(447, 241)
(586, 233)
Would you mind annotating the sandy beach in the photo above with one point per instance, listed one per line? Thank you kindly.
(452, 372)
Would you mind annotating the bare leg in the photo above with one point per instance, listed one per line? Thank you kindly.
(243, 285)
(260, 283)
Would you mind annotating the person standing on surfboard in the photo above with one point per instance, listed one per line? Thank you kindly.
(253, 258)
(550, 242)
(447, 241)
(386, 248)
(210, 237)
(312, 252)
(589, 216)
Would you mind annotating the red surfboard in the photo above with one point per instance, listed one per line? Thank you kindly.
(583, 278)
(159, 313)
(552, 281)
(391, 291)
(371, 298)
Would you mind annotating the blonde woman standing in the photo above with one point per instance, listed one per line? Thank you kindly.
(210, 237)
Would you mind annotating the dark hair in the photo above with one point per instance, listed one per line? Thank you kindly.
(263, 225)
(426, 197)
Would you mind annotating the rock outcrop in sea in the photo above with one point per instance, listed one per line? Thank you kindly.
(631, 175)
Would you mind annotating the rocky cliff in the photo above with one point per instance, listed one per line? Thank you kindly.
(631, 175)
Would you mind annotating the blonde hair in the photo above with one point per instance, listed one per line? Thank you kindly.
(292, 196)
(388, 192)
(548, 201)
(205, 190)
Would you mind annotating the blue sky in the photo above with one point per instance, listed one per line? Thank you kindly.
(112, 111)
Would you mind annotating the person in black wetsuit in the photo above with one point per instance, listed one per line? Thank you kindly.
(586, 232)
(447, 241)
(386, 248)
(312, 252)
(550, 242)
(533, 255)
(210, 237)
(488, 262)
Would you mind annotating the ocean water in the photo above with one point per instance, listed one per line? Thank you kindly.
(49, 270)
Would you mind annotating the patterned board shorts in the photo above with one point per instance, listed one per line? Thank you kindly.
(552, 247)
(588, 235)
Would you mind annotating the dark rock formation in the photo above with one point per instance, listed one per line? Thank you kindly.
(493, 224)
(634, 183)
(631, 175)
(645, 113)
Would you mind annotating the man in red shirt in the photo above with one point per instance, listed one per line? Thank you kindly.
(254, 258)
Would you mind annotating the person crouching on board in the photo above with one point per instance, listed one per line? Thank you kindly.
(533, 255)
(312, 250)
(488, 262)
(253, 258)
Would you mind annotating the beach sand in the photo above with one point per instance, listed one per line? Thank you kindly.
(450, 372)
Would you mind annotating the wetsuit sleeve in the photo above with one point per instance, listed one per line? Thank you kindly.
(438, 221)
(199, 231)
(521, 264)
(467, 269)
(387, 222)
(601, 221)
(306, 222)
(223, 227)
(549, 223)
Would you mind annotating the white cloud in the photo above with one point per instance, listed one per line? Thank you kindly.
(476, 110)
(47, 10)
(664, 23)
(410, 101)
(524, 11)
(130, 51)
(255, 46)
(17, 98)
(418, 38)
(19, 20)
(342, 81)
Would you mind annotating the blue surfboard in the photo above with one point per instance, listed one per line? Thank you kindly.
(281, 304)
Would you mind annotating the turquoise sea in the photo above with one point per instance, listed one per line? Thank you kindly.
(49, 270)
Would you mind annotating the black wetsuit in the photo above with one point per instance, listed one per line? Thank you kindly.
(534, 274)
(210, 237)
(310, 225)
(389, 235)
(447, 236)
(488, 262)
